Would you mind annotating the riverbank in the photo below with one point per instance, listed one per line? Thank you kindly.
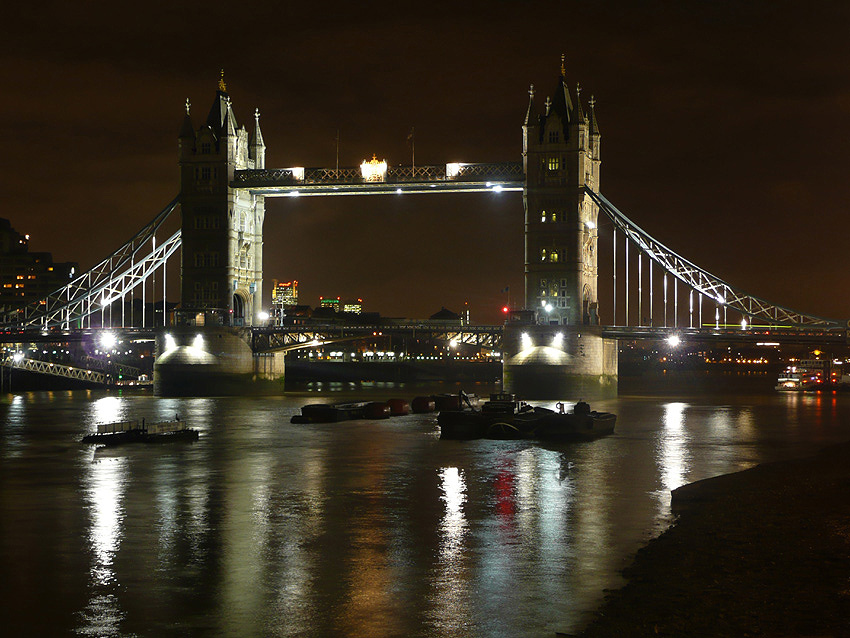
(763, 552)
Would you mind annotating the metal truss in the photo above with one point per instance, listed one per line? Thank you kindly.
(110, 280)
(704, 282)
(286, 338)
(442, 178)
(56, 370)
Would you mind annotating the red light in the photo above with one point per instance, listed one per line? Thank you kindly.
(505, 309)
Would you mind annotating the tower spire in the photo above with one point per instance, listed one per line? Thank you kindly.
(529, 114)
(222, 86)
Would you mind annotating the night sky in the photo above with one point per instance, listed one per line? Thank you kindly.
(724, 132)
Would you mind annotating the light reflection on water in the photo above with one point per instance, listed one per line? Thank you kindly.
(267, 528)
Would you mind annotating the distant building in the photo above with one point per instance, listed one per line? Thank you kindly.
(24, 276)
(354, 306)
(284, 294)
(447, 317)
(329, 302)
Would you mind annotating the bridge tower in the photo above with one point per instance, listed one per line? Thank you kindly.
(557, 350)
(561, 152)
(222, 233)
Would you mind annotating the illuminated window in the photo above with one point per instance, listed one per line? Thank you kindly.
(554, 217)
(553, 256)
(543, 216)
(542, 254)
(553, 163)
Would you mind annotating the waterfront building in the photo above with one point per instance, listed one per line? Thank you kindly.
(27, 276)
(285, 293)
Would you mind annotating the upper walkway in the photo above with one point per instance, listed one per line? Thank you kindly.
(376, 178)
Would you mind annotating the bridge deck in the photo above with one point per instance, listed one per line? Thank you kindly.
(444, 178)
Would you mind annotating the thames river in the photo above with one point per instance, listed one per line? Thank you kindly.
(364, 528)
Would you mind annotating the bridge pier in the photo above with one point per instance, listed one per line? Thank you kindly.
(213, 361)
(559, 362)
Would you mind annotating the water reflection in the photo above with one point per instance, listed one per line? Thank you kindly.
(451, 598)
(672, 453)
(104, 486)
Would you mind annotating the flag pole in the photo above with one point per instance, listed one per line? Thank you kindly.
(337, 153)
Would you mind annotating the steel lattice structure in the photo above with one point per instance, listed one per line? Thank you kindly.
(110, 280)
(703, 282)
(56, 370)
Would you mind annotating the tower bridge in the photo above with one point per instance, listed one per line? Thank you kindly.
(562, 339)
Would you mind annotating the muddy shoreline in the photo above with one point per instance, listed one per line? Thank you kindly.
(763, 552)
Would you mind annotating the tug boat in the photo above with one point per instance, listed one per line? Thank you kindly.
(506, 417)
(140, 432)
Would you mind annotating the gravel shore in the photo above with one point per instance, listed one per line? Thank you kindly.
(763, 552)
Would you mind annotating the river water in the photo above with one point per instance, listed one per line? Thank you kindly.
(375, 529)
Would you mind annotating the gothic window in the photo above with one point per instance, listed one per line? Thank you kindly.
(554, 217)
(553, 137)
(205, 173)
(542, 254)
(563, 283)
(553, 163)
(543, 216)
(553, 256)
(205, 148)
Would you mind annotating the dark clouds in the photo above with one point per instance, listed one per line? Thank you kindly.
(724, 125)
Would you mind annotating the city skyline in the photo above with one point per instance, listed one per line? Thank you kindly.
(722, 135)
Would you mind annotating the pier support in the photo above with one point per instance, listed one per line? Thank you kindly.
(559, 362)
(200, 361)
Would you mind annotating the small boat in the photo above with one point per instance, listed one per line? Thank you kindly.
(422, 405)
(506, 417)
(377, 410)
(140, 432)
(330, 413)
(399, 407)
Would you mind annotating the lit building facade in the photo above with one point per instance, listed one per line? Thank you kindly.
(24, 276)
(329, 302)
(353, 306)
(285, 293)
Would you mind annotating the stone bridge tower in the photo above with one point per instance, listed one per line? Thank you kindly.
(222, 257)
(561, 151)
(557, 350)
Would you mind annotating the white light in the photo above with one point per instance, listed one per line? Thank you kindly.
(453, 169)
(108, 340)
(558, 339)
(548, 307)
(373, 170)
(526, 341)
(297, 172)
(674, 340)
(293, 194)
(744, 323)
(590, 224)
(198, 342)
(497, 188)
(453, 343)
(170, 343)
(263, 315)
(398, 190)
(18, 357)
